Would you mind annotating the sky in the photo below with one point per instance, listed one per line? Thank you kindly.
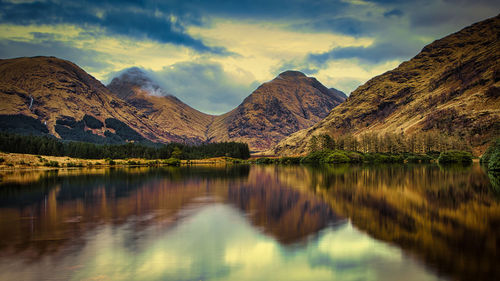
(212, 54)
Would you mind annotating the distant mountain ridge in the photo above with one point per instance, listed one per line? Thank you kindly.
(452, 85)
(48, 95)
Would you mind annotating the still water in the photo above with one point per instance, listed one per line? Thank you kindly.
(402, 222)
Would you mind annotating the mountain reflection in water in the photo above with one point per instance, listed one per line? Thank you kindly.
(418, 222)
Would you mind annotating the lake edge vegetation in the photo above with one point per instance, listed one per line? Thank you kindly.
(51, 146)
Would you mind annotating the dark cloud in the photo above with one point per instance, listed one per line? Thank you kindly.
(394, 12)
(137, 19)
(204, 85)
(397, 27)
(88, 59)
(376, 53)
(344, 25)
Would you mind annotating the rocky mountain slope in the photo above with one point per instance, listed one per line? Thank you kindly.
(50, 95)
(452, 85)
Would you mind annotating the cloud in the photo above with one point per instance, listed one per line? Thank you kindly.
(205, 85)
(340, 42)
(90, 59)
(137, 19)
(394, 12)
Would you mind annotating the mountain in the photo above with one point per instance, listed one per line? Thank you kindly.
(48, 95)
(290, 102)
(168, 115)
(339, 93)
(452, 85)
(276, 109)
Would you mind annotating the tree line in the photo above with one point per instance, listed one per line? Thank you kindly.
(45, 145)
(393, 143)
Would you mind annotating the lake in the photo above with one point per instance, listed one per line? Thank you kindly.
(389, 222)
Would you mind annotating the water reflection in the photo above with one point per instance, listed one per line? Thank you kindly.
(255, 223)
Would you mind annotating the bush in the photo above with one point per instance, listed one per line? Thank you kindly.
(316, 157)
(494, 161)
(455, 157)
(52, 164)
(433, 154)
(264, 160)
(376, 158)
(355, 157)
(337, 157)
(491, 157)
(289, 160)
(485, 159)
(172, 162)
(2, 159)
(397, 159)
(419, 158)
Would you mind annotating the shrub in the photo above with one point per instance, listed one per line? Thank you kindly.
(487, 154)
(52, 164)
(455, 156)
(397, 159)
(433, 154)
(316, 157)
(264, 160)
(491, 157)
(494, 161)
(355, 157)
(376, 158)
(172, 162)
(289, 160)
(2, 159)
(419, 158)
(337, 157)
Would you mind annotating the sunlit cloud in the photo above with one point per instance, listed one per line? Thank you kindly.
(262, 46)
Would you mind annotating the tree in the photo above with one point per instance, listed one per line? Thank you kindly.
(313, 144)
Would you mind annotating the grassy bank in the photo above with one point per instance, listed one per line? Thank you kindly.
(30, 161)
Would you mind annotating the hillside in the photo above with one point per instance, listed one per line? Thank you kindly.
(47, 94)
(276, 109)
(452, 85)
(167, 113)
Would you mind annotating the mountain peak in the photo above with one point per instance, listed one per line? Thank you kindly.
(451, 86)
(135, 77)
(291, 74)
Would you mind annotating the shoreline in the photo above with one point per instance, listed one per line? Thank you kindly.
(20, 161)
(29, 162)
